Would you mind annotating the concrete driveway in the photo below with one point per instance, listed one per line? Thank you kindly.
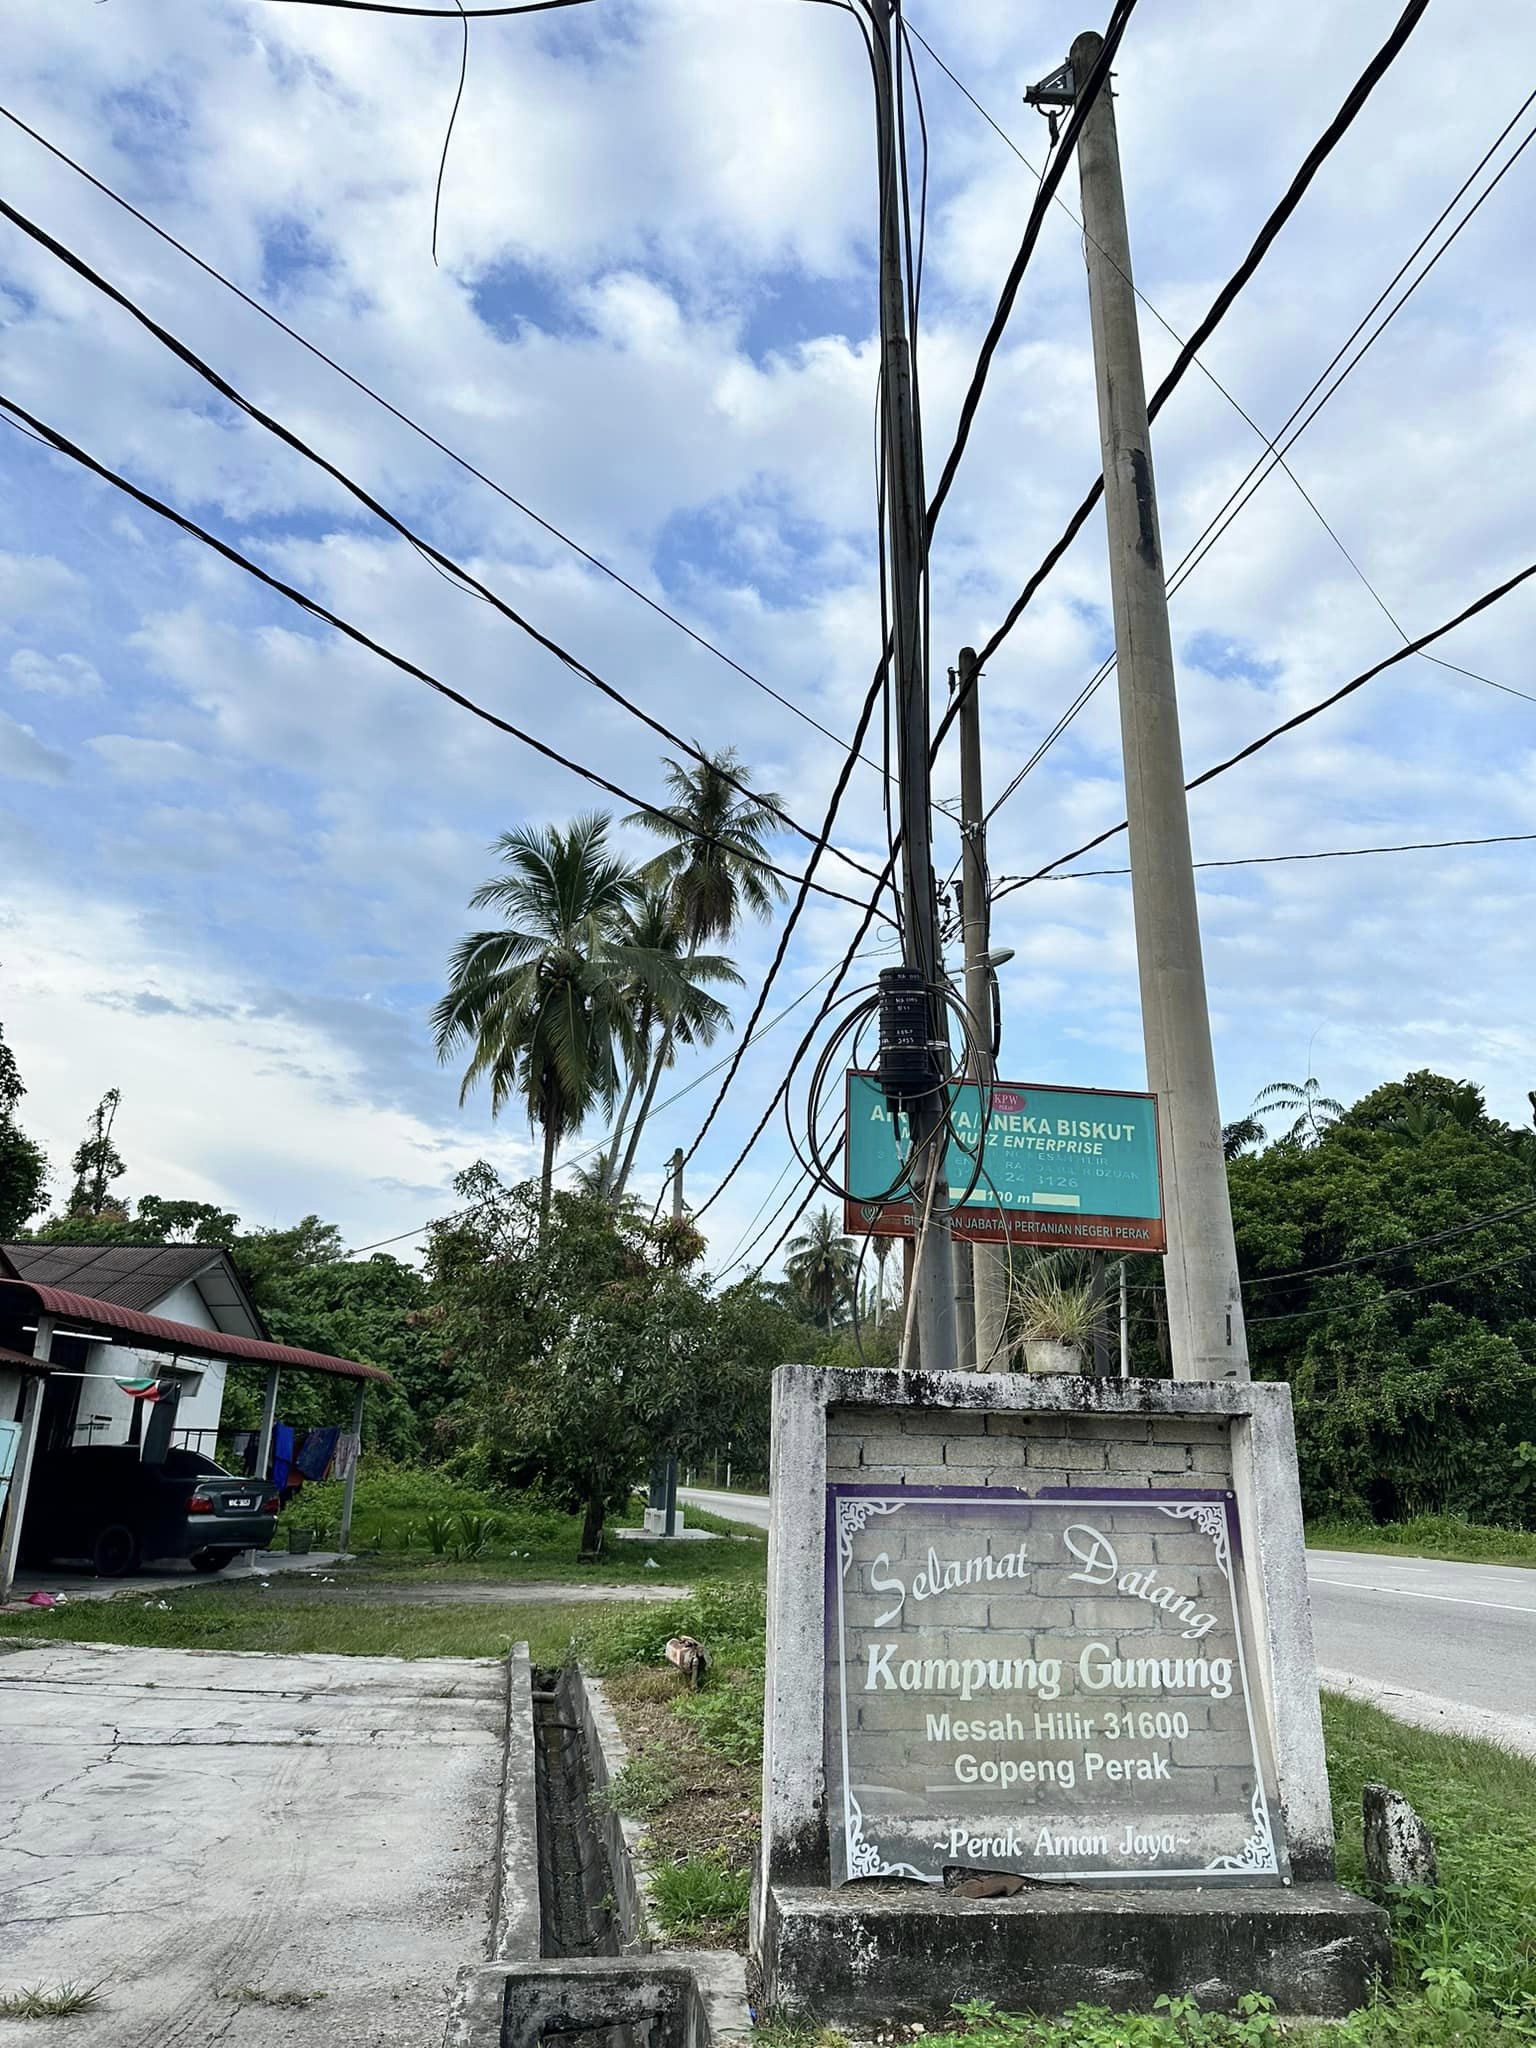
(245, 1849)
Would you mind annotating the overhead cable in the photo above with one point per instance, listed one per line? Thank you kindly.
(1262, 860)
(1471, 611)
(434, 13)
(1357, 1308)
(62, 445)
(1009, 294)
(1316, 157)
(1412, 1244)
(382, 512)
(1274, 450)
(1119, 21)
(425, 433)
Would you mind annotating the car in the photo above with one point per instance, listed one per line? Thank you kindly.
(107, 1504)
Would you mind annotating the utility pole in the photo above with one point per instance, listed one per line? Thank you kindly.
(988, 1267)
(927, 1111)
(669, 1477)
(1205, 1308)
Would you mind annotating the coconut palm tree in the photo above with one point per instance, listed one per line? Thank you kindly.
(1236, 1138)
(712, 870)
(881, 1247)
(665, 985)
(822, 1264)
(1315, 1111)
(539, 1001)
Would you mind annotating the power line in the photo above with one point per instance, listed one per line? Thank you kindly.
(1316, 157)
(1119, 21)
(1286, 439)
(434, 13)
(64, 446)
(1412, 1244)
(1260, 860)
(446, 563)
(591, 1151)
(405, 419)
(1005, 304)
(1481, 604)
(1398, 1293)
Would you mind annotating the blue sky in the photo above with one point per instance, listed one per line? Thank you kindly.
(235, 851)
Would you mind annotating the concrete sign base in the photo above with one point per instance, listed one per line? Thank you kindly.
(1048, 1639)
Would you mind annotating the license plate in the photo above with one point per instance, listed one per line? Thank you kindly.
(240, 1500)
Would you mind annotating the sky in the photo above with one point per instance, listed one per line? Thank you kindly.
(235, 850)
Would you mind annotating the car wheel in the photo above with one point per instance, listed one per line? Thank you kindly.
(115, 1552)
(211, 1560)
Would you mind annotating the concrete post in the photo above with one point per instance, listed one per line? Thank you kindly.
(1205, 1309)
(268, 1425)
(989, 1263)
(264, 1439)
(21, 1473)
(345, 1537)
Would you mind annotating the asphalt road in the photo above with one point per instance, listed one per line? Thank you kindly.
(1444, 1645)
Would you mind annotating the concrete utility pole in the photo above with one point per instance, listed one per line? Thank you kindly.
(988, 1266)
(1205, 1308)
(669, 1482)
(906, 512)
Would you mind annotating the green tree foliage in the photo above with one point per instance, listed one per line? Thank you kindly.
(154, 1221)
(1414, 1373)
(23, 1163)
(581, 1349)
(97, 1162)
(311, 1295)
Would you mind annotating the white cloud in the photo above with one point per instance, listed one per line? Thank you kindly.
(141, 760)
(25, 757)
(226, 1098)
(653, 323)
(54, 675)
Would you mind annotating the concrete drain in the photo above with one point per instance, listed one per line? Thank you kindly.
(571, 1965)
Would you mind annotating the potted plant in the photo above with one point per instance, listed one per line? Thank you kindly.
(1059, 1315)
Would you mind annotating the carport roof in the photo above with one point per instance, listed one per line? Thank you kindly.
(156, 1333)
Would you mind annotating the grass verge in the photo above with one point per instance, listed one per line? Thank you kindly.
(605, 1636)
(1429, 1536)
(420, 1522)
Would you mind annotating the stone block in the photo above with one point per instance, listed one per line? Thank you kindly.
(1170, 1458)
(878, 1955)
(1399, 1849)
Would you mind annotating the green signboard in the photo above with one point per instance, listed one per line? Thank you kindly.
(1071, 1166)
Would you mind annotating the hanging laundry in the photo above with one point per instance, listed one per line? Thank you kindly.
(348, 1444)
(316, 1452)
(242, 1450)
(282, 1454)
(140, 1390)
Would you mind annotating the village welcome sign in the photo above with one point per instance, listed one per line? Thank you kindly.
(1055, 1686)
(1072, 1166)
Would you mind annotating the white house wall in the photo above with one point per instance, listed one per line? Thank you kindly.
(202, 1382)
